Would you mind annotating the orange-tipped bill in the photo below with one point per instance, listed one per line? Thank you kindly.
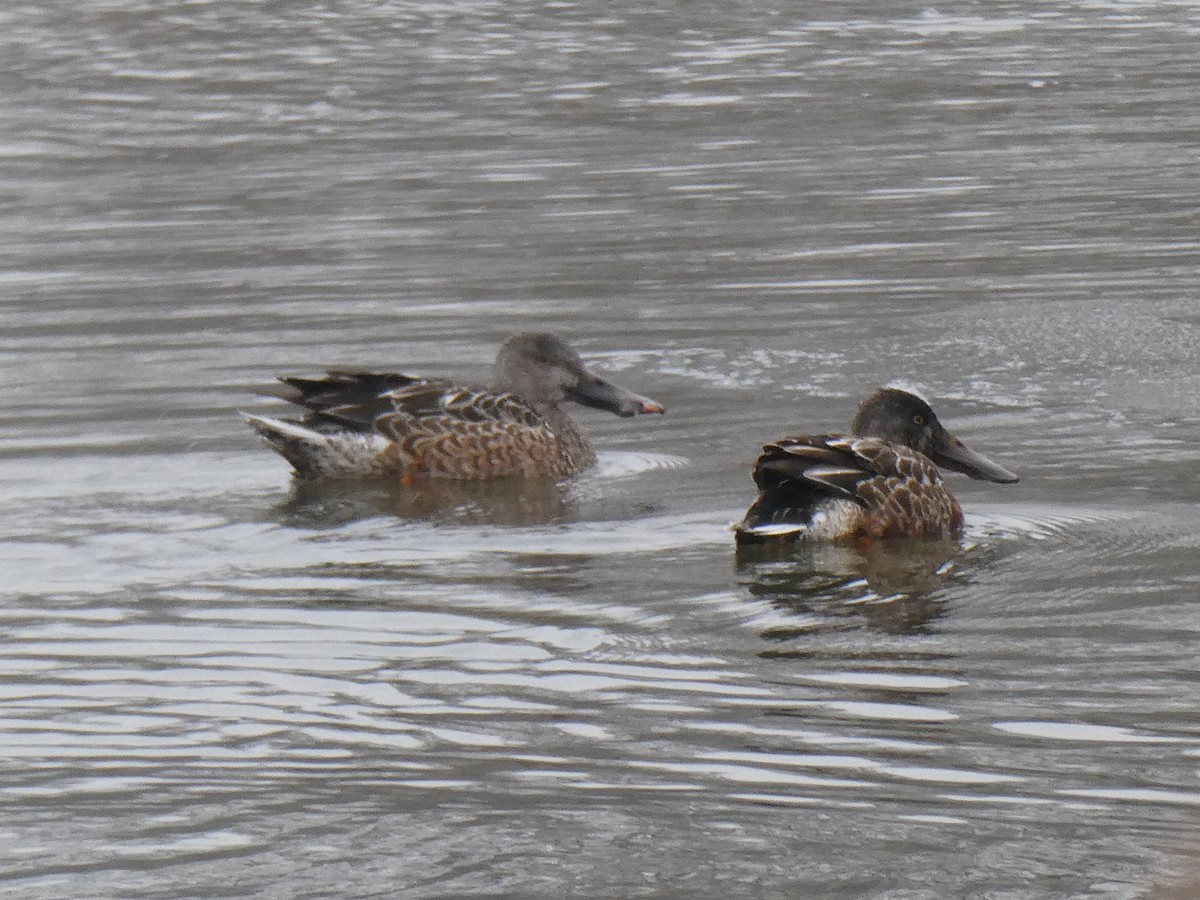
(600, 394)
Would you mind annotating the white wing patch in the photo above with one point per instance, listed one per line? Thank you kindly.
(833, 477)
(775, 529)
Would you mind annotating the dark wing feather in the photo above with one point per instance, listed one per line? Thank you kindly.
(342, 398)
(900, 490)
(440, 398)
(810, 463)
(832, 464)
(796, 474)
(885, 459)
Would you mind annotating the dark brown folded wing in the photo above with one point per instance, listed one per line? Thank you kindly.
(357, 400)
(900, 490)
(342, 398)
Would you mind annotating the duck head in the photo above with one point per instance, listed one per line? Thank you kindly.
(542, 368)
(900, 415)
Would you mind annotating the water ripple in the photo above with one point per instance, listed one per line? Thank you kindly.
(757, 214)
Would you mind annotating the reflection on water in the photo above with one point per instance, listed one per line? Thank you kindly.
(513, 502)
(216, 680)
(894, 586)
(500, 501)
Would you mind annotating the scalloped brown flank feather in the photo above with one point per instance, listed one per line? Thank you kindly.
(907, 497)
(484, 436)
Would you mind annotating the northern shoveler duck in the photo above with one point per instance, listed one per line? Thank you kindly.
(362, 424)
(879, 481)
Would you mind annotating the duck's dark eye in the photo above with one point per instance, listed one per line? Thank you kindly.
(918, 420)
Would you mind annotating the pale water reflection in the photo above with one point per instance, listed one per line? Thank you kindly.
(220, 683)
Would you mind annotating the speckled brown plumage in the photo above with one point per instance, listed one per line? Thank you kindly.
(831, 487)
(907, 497)
(489, 436)
(847, 487)
(385, 424)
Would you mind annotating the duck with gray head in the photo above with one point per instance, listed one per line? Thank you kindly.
(362, 424)
(879, 481)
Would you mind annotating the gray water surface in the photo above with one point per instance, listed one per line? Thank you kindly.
(217, 683)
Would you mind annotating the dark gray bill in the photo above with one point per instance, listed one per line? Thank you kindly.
(958, 457)
(600, 394)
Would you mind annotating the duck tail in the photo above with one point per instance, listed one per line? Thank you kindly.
(307, 450)
(771, 520)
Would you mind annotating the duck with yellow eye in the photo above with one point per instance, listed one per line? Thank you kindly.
(880, 481)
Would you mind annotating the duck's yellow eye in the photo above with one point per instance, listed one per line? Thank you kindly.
(918, 420)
